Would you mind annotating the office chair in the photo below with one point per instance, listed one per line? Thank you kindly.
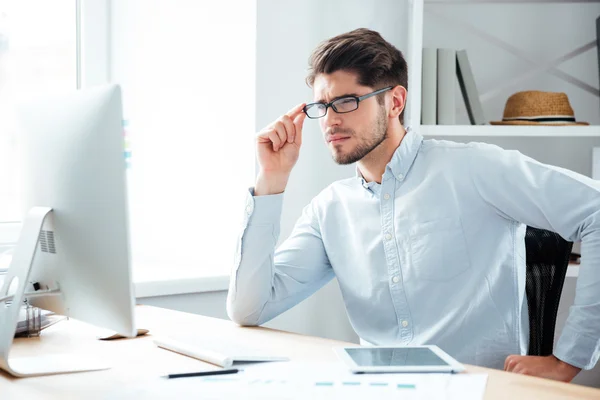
(547, 259)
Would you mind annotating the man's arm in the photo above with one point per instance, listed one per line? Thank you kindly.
(264, 283)
(562, 201)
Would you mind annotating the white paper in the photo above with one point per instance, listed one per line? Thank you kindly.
(467, 386)
(294, 380)
(333, 380)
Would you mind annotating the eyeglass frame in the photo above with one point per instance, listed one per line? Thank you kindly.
(357, 98)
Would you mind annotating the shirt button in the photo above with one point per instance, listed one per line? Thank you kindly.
(405, 323)
(400, 176)
(386, 196)
(396, 279)
(388, 236)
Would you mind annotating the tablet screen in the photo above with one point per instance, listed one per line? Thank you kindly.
(394, 357)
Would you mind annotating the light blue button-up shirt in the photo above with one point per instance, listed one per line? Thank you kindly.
(435, 254)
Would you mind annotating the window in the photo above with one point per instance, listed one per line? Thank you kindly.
(38, 54)
(187, 72)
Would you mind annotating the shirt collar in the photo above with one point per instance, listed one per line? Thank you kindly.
(363, 182)
(401, 161)
(405, 154)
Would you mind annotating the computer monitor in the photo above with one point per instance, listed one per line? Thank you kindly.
(73, 254)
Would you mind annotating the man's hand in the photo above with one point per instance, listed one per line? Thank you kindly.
(278, 148)
(544, 367)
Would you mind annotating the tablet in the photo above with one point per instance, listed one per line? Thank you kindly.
(398, 359)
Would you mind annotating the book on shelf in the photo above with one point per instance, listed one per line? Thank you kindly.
(429, 87)
(439, 69)
(446, 73)
(468, 88)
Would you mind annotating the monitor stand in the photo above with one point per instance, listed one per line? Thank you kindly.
(20, 269)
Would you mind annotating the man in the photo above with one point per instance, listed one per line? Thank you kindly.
(427, 241)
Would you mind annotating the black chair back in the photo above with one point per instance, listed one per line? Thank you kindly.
(547, 261)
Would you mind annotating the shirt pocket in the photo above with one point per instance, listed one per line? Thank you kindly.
(439, 250)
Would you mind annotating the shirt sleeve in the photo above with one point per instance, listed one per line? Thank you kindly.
(264, 282)
(562, 201)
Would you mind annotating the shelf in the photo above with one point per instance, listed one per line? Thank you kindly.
(505, 1)
(506, 130)
(573, 270)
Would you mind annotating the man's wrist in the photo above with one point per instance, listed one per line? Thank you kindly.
(270, 183)
(569, 370)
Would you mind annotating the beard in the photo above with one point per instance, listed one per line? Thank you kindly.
(365, 146)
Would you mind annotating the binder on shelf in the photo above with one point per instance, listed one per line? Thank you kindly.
(429, 87)
(446, 72)
(466, 81)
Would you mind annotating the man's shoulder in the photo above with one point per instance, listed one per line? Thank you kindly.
(436, 151)
(341, 185)
(452, 147)
(476, 157)
(336, 190)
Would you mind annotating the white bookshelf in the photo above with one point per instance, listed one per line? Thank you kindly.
(573, 270)
(414, 59)
(510, 130)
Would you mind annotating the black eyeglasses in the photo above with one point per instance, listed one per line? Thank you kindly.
(342, 105)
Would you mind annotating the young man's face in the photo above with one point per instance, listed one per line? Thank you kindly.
(350, 136)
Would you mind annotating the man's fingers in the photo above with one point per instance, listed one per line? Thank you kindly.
(509, 364)
(279, 127)
(275, 139)
(298, 124)
(289, 128)
(294, 111)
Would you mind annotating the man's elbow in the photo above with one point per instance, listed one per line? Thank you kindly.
(240, 315)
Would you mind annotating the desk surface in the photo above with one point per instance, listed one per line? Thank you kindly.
(138, 361)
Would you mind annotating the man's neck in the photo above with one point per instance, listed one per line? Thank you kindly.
(372, 166)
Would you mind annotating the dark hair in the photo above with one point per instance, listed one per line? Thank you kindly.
(362, 51)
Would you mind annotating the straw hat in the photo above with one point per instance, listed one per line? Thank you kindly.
(538, 108)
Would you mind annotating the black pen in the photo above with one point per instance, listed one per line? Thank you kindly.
(203, 373)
